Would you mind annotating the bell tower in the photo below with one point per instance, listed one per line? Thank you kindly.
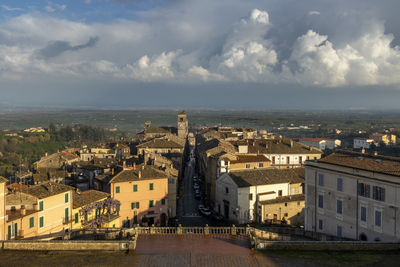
(183, 125)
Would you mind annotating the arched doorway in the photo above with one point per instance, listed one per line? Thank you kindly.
(363, 237)
(163, 219)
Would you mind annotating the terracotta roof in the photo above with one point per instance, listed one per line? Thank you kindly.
(276, 146)
(160, 143)
(47, 189)
(381, 164)
(250, 158)
(14, 215)
(87, 197)
(267, 176)
(147, 173)
(155, 129)
(298, 197)
(3, 180)
(16, 187)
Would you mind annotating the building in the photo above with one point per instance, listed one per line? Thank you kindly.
(366, 143)
(161, 145)
(93, 209)
(183, 125)
(240, 193)
(354, 195)
(286, 208)
(56, 160)
(321, 143)
(387, 139)
(3, 219)
(97, 152)
(143, 194)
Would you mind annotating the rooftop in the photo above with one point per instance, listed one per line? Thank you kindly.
(3, 180)
(160, 143)
(250, 158)
(316, 139)
(298, 197)
(87, 197)
(147, 172)
(276, 146)
(46, 189)
(254, 177)
(362, 161)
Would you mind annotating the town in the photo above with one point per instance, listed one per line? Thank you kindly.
(206, 176)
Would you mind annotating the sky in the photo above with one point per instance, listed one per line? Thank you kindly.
(254, 54)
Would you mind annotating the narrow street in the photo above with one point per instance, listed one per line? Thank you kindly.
(188, 213)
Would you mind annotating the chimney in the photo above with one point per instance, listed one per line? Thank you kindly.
(112, 171)
(363, 150)
(140, 174)
(36, 206)
(134, 166)
(375, 153)
(23, 210)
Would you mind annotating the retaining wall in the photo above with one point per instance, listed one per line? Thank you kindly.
(324, 245)
(69, 245)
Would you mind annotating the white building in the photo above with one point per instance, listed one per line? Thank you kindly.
(363, 143)
(238, 192)
(354, 195)
(321, 143)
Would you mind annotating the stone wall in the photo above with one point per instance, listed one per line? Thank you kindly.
(69, 245)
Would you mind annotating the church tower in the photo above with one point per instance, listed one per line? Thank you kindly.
(183, 125)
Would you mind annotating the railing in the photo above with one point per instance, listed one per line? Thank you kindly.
(206, 230)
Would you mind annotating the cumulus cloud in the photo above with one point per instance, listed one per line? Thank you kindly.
(182, 49)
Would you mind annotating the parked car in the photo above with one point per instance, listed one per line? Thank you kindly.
(196, 186)
(205, 211)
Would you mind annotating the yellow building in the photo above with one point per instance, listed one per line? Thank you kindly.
(91, 208)
(288, 208)
(3, 182)
(143, 194)
(53, 204)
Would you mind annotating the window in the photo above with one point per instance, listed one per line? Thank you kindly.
(117, 189)
(285, 215)
(273, 160)
(320, 201)
(363, 215)
(288, 160)
(250, 196)
(320, 179)
(31, 222)
(133, 205)
(320, 224)
(41, 221)
(163, 201)
(66, 214)
(364, 190)
(300, 159)
(40, 205)
(339, 231)
(135, 188)
(247, 165)
(151, 203)
(378, 218)
(151, 186)
(280, 193)
(261, 165)
(339, 184)
(76, 217)
(285, 204)
(117, 208)
(137, 205)
(339, 206)
(66, 197)
(378, 193)
(226, 190)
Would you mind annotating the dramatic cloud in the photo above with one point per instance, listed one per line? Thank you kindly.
(175, 44)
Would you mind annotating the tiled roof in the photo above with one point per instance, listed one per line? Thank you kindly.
(155, 129)
(267, 176)
(298, 197)
(277, 146)
(250, 158)
(147, 173)
(87, 197)
(381, 164)
(46, 189)
(316, 139)
(160, 143)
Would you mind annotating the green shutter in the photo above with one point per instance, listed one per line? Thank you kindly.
(66, 214)
(151, 186)
(66, 197)
(135, 188)
(41, 221)
(9, 232)
(137, 205)
(86, 218)
(117, 208)
(76, 217)
(163, 201)
(151, 203)
(41, 205)
(15, 229)
(117, 189)
(132, 205)
(31, 222)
